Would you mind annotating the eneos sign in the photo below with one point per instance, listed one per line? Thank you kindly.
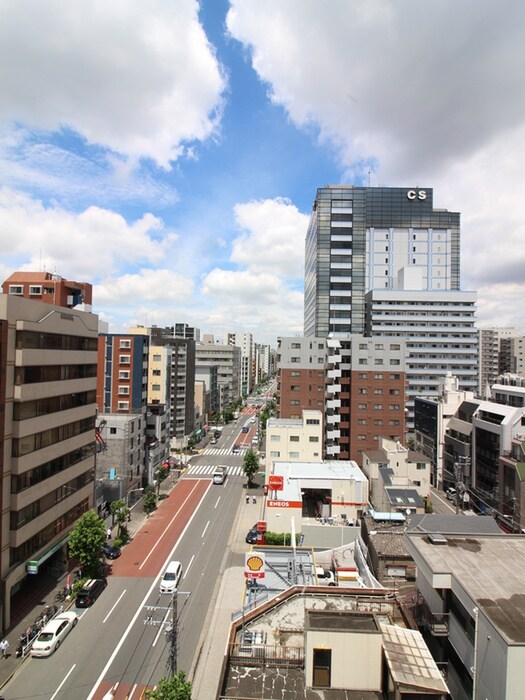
(276, 482)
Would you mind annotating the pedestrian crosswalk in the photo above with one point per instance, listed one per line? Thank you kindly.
(222, 451)
(207, 470)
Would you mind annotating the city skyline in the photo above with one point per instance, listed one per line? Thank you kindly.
(171, 159)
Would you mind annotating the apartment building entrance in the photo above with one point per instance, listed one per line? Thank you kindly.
(322, 668)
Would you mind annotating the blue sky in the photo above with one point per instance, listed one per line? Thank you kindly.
(171, 157)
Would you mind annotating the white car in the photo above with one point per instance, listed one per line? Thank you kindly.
(53, 633)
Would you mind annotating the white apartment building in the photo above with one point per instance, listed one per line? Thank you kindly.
(295, 440)
(490, 356)
(244, 341)
(440, 333)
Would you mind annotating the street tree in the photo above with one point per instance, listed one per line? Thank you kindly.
(86, 540)
(250, 465)
(150, 499)
(120, 513)
(174, 688)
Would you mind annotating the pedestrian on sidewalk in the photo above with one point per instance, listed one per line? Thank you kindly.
(4, 646)
(108, 533)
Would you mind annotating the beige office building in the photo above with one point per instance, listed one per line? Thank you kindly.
(48, 357)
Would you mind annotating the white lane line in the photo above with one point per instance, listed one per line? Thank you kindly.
(132, 691)
(57, 691)
(161, 626)
(204, 531)
(139, 610)
(113, 608)
(188, 567)
(217, 502)
(167, 527)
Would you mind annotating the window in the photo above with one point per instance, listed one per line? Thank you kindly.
(123, 390)
(361, 421)
(361, 437)
(378, 391)
(123, 406)
(296, 346)
(395, 362)
(16, 289)
(378, 421)
(394, 376)
(394, 407)
(362, 375)
(275, 438)
(378, 361)
(293, 455)
(112, 431)
(361, 406)
(393, 422)
(379, 346)
(35, 289)
(294, 438)
(123, 374)
(125, 344)
(294, 387)
(156, 358)
(378, 407)
(378, 376)
(275, 453)
(420, 465)
(313, 438)
(416, 483)
(312, 421)
(295, 402)
(294, 373)
(295, 359)
(362, 390)
(156, 373)
(395, 346)
(124, 359)
(155, 387)
(394, 392)
(363, 361)
(363, 346)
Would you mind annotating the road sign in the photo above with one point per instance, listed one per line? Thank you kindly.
(261, 526)
(276, 482)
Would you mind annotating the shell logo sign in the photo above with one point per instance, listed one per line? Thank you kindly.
(254, 565)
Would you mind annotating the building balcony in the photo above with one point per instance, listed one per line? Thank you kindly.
(334, 373)
(333, 434)
(332, 389)
(332, 450)
(333, 404)
(332, 419)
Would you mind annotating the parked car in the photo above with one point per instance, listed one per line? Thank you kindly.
(325, 577)
(251, 537)
(110, 551)
(51, 637)
(451, 493)
(90, 591)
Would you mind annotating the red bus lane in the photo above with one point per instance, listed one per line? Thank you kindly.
(148, 550)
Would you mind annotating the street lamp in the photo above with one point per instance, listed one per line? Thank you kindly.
(129, 494)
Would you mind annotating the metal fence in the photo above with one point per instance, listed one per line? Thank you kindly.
(243, 654)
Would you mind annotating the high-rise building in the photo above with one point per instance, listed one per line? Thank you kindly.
(492, 354)
(48, 370)
(227, 358)
(381, 261)
(244, 341)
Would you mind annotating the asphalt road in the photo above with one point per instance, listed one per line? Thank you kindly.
(122, 638)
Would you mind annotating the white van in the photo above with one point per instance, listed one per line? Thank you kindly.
(170, 580)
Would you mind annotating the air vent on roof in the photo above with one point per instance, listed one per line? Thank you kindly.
(436, 538)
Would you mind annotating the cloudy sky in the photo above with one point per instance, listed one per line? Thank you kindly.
(169, 152)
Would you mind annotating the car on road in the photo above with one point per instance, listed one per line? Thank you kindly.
(236, 449)
(451, 493)
(251, 537)
(110, 551)
(90, 591)
(53, 634)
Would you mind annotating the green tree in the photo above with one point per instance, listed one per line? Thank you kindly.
(250, 465)
(175, 688)
(150, 499)
(120, 513)
(86, 540)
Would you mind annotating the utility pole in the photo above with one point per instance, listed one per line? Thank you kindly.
(459, 468)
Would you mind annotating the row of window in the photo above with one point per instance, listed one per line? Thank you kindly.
(53, 373)
(52, 404)
(392, 392)
(290, 455)
(379, 406)
(48, 534)
(53, 341)
(37, 441)
(377, 421)
(293, 438)
(30, 478)
(42, 505)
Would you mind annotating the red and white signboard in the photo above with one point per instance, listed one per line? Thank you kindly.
(254, 565)
(276, 482)
(261, 526)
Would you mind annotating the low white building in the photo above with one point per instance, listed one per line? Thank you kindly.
(295, 439)
(331, 491)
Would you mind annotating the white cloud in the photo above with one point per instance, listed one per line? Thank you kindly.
(141, 83)
(416, 93)
(160, 286)
(96, 242)
(274, 238)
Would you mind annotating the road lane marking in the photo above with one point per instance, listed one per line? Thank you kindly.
(168, 526)
(204, 531)
(113, 608)
(132, 691)
(161, 626)
(57, 691)
(217, 502)
(139, 610)
(188, 567)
